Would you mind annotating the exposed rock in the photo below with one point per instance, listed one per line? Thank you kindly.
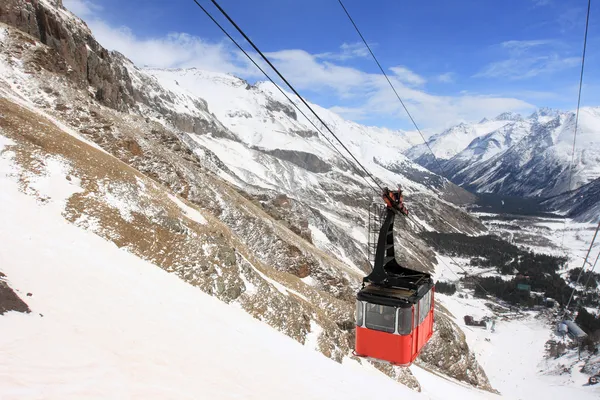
(402, 375)
(276, 106)
(302, 159)
(9, 300)
(305, 133)
(74, 52)
(282, 200)
(449, 353)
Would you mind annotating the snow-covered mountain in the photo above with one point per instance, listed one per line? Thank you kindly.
(519, 156)
(452, 141)
(262, 119)
(257, 112)
(266, 216)
(581, 204)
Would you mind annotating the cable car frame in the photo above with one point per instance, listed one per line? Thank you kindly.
(394, 308)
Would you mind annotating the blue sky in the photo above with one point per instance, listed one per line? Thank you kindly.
(451, 61)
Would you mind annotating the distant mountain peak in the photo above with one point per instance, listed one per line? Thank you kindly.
(545, 112)
(484, 120)
(460, 127)
(509, 116)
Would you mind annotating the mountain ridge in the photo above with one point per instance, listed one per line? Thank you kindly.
(528, 157)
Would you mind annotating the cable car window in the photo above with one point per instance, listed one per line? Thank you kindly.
(359, 313)
(428, 302)
(381, 318)
(404, 321)
(431, 303)
(426, 306)
(416, 315)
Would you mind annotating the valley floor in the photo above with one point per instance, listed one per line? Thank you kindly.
(514, 355)
(554, 236)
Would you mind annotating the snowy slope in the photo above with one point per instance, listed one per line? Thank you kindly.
(105, 324)
(126, 332)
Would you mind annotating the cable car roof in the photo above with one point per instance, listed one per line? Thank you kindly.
(393, 296)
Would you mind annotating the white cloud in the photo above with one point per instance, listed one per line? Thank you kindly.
(528, 59)
(529, 67)
(356, 94)
(352, 113)
(357, 49)
(541, 3)
(571, 18)
(174, 50)
(447, 77)
(521, 46)
(82, 8)
(307, 71)
(347, 52)
(407, 76)
(438, 112)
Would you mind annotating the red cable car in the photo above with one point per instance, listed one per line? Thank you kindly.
(394, 309)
